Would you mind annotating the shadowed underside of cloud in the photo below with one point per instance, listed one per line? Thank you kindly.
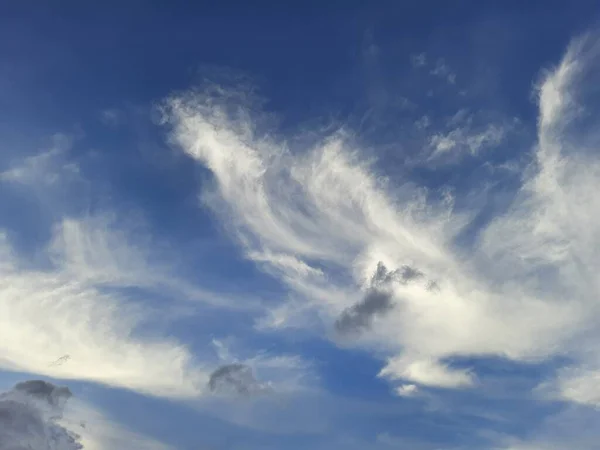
(28, 418)
(322, 221)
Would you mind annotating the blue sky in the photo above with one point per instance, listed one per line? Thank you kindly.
(359, 225)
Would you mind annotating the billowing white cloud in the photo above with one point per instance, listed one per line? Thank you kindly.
(323, 221)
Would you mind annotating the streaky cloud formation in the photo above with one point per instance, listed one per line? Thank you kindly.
(70, 316)
(52, 312)
(394, 248)
(321, 220)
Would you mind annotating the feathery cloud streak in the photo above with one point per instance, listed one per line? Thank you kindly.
(322, 220)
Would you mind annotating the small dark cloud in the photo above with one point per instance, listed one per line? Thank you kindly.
(404, 275)
(28, 414)
(433, 286)
(407, 273)
(60, 361)
(378, 299)
(234, 379)
(360, 316)
(44, 391)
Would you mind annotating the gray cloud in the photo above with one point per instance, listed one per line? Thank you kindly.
(235, 379)
(28, 418)
(358, 317)
(62, 360)
(378, 299)
(403, 275)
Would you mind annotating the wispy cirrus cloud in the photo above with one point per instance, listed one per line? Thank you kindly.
(516, 294)
(70, 298)
(82, 307)
(44, 169)
(47, 313)
(418, 60)
(465, 133)
(443, 70)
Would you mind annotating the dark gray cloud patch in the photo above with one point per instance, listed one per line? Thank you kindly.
(360, 316)
(407, 274)
(403, 275)
(55, 396)
(433, 286)
(234, 379)
(60, 361)
(378, 299)
(28, 418)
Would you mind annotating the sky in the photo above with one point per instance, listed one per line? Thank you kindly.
(290, 225)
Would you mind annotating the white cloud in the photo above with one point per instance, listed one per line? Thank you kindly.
(45, 169)
(464, 137)
(524, 292)
(551, 232)
(407, 390)
(443, 70)
(71, 317)
(418, 60)
(46, 314)
(112, 117)
(423, 123)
